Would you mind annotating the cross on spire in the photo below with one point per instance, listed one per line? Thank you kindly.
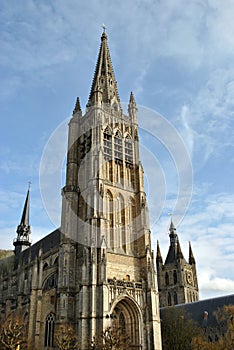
(104, 27)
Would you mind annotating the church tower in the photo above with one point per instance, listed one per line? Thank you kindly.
(106, 265)
(177, 278)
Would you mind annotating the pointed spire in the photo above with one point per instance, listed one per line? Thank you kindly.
(24, 223)
(174, 252)
(159, 255)
(179, 251)
(191, 256)
(132, 101)
(104, 86)
(77, 108)
(23, 230)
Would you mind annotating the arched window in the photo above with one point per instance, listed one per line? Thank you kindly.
(49, 330)
(128, 150)
(122, 323)
(169, 299)
(167, 279)
(175, 276)
(175, 298)
(109, 217)
(118, 146)
(107, 144)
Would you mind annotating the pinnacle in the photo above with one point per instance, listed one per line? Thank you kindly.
(77, 106)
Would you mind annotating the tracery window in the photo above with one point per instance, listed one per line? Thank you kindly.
(49, 330)
(118, 146)
(128, 150)
(107, 143)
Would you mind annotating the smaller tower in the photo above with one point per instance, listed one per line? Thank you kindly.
(23, 230)
(177, 278)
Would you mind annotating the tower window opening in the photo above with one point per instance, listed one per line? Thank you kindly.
(169, 299)
(175, 276)
(128, 150)
(167, 279)
(118, 147)
(107, 144)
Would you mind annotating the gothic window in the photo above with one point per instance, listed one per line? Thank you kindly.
(175, 276)
(49, 330)
(107, 144)
(122, 323)
(128, 150)
(169, 299)
(167, 279)
(175, 298)
(118, 146)
(109, 217)
(50, 282)
(45, 266)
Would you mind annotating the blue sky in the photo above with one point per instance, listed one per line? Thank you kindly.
(177, 57)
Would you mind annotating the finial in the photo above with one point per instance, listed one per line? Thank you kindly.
(103, 27)
(77, 106)
(29, 185)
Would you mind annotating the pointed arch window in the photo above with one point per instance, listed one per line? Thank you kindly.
(49, 330)
(118, 146)
(128, 150)
(175, 276)
(175, 298)
(107, 143)
(122, 323)
(169, 299)
(167, 279)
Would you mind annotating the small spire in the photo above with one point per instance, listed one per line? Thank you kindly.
(191, 256)
(179, 251)
(132, 99)
(77, 106)
(23, 230)
(159, 256)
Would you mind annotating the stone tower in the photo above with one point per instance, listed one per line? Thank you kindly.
(106, 265)
(177, 279)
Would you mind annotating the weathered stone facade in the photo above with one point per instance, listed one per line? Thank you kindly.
(98, 268)
(177, 278)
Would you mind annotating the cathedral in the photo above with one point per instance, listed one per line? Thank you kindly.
(98, 267)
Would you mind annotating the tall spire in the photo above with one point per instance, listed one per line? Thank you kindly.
(104, 86)
(23, 230)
